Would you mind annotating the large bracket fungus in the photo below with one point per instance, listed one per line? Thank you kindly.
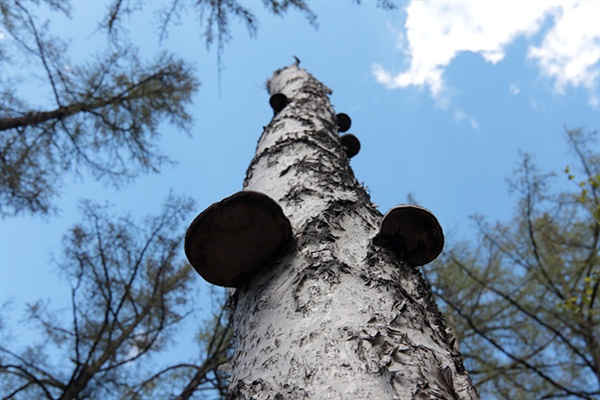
(413, 233)
(231, 240)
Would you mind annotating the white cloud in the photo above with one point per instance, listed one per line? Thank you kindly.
(570, 52)
(436, 32)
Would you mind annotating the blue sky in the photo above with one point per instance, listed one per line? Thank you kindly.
(442, 96)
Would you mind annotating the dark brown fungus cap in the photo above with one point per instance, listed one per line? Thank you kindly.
(232, 239)
(278, 102)
(413, 233)
(351, 144)
(343, 121)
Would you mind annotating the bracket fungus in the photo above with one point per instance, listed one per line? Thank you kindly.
(351, 144)
(343, 122)
(231, 240)
(413, 233)
(278, 102)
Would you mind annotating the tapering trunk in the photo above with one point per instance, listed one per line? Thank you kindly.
(338, 316)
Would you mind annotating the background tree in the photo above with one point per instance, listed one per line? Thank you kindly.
(104, 114)
(524, 296)
(214, 16)
(130, 293)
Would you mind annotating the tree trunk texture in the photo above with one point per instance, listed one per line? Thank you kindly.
(337, 317)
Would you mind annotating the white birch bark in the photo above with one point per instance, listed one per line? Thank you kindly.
(337, 317)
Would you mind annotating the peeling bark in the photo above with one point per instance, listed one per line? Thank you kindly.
(338, 317)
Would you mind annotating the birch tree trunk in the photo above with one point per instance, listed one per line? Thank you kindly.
(338, 317)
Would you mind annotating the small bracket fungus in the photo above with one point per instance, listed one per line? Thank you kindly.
(413, 233)
(232, 239)
(343, 122)
(351, 144)
(278, 102)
